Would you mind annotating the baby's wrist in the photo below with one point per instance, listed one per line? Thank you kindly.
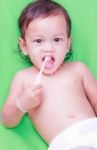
(20, 107)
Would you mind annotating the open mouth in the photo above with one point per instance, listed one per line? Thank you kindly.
(49, 62)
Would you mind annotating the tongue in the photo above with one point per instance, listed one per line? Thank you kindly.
(49, 62)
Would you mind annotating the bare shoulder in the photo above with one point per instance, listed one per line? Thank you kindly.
(24, 73)
(77, 66)
(80, 70)
(21, 76)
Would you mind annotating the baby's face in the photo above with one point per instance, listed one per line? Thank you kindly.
(47, 37)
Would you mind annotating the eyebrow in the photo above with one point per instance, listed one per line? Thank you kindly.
(40, 36)
(60, 34)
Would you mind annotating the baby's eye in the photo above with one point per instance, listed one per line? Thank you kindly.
(58, 39)
(38, 40)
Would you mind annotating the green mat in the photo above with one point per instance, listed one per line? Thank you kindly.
(84, 36)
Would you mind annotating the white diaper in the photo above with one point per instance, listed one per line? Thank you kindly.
(81, 134)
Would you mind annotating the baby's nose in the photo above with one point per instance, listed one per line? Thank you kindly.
(48, 47)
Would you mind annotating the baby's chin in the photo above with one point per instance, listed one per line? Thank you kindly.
(50, 72)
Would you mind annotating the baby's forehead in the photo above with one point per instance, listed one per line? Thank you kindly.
(48, 24)
(52, 19)
(43, 17)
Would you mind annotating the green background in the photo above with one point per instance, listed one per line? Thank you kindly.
(83, 14)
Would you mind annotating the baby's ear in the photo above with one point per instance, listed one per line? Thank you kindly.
(22, 45)
(69, 42)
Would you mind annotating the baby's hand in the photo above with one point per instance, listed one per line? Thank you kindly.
(30, 97)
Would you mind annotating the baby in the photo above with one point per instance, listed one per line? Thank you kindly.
(59, 97)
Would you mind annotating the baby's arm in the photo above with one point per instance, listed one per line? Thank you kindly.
(90, 86)
(28, 98)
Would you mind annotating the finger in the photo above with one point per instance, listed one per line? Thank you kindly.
(27, 86)
(36, 87)
(38, 92)
(38, 101)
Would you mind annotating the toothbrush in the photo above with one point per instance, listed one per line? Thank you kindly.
(38, 79)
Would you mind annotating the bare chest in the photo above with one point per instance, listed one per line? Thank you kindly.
(62, 98)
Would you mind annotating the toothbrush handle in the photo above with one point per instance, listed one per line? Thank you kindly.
(38, 79)
(40, 73)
